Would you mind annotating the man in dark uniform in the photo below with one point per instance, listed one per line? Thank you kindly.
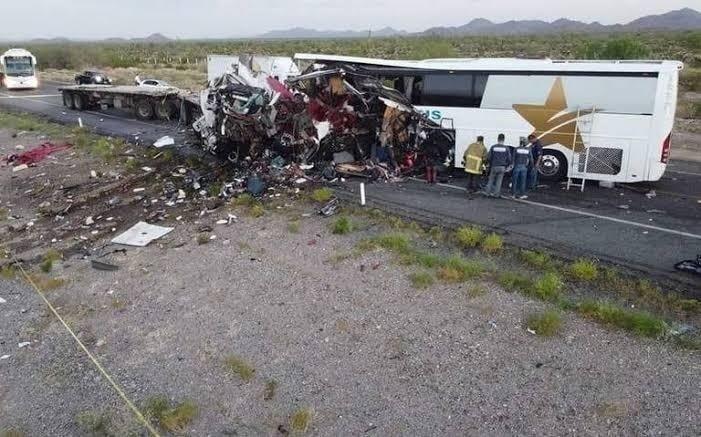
(537, 155)
(499, 159)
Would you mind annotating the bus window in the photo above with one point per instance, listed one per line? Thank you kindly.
(452, 90)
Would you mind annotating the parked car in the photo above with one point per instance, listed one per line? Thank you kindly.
(156, 83)
(91, 77)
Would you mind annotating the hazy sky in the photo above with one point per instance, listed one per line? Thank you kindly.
(229, 18)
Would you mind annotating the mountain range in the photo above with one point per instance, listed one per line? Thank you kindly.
(682, 19)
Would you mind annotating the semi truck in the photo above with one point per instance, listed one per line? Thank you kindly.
(147, 103)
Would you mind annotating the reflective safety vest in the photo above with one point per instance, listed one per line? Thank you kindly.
(474, 157)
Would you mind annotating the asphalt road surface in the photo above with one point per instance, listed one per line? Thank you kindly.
(622, 225)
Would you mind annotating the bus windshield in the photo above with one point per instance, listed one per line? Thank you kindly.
(19, 66)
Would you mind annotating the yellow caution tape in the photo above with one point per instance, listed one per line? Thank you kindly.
(97, 364)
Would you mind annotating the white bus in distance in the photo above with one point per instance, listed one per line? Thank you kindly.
(18, 70)
(601, 120)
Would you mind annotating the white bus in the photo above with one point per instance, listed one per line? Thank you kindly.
(18, 70)
(601, 120)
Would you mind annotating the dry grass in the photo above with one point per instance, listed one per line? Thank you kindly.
(46, 283)
(256, 211)
(94, 423)
(322, 195)
(476, 291)
(12, 432)
(8, 272)
(48, 260)
(270, 388)
(239, 367)
(301, 419)
(421, 280)
(294, 226)
(172, 418)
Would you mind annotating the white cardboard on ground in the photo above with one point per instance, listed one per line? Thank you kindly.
(164, 141)
(141, 234)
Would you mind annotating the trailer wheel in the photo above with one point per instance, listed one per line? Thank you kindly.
(553, 166)
(144, 110)
(67, 100)
(166, 110)
(79, 102)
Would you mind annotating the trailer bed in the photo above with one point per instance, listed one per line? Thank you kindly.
(147, 102)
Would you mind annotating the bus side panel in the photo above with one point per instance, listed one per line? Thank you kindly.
(662, 124)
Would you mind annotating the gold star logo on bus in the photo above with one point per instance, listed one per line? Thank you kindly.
(552, 125)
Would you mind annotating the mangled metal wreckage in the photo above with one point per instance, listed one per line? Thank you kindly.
(339, 118)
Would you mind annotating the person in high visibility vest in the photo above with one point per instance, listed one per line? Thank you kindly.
(473, 161)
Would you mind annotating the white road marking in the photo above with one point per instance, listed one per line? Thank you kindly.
(31, 96)
(588, 214)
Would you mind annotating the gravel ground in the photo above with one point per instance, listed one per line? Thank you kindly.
(351, 339)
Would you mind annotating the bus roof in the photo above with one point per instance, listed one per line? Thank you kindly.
(504, 64)
(17, 52)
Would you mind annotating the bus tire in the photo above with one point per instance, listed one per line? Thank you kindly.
(553, 166)
(67, 100)
(166, 110)
(144, 110)
(79, 102)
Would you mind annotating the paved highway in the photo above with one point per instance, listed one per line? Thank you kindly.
(620, 225)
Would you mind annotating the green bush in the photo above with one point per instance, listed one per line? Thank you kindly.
(548, 287)
(638, 322)
(539, 260)
(614, 49)
(547, 323)
(341, 226)
(512, 281)
(469, 236)
(492, 243)
(583, 270)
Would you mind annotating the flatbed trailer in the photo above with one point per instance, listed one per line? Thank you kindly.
(146, 102)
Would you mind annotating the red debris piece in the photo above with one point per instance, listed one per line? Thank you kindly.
(37, 154)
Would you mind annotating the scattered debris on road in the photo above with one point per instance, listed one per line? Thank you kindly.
(141, 234)
(99, 265)
(36, 154)
(164, 141)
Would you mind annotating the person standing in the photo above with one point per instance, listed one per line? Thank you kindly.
(472, 160)
(522, 162)
(537, 155)
(499, 159)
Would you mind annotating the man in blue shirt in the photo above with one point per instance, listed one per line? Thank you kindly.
(523, 160)
(499, 160)
(537, 155)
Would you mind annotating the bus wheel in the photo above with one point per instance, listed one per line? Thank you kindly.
(166, 110)
(144, 110)
(67, 100)
(78, 102)
(553, 166)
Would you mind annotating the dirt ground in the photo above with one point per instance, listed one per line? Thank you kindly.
(347, 338)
